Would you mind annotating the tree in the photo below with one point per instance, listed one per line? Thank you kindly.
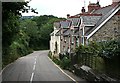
(45, 27)
(20, 36)
(10, 16)
(10, 27)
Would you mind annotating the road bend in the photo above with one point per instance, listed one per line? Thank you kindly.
(34, 67)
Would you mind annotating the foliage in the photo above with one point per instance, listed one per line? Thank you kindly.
(31, 30)
(14, 41)
(110, 49)
(106, 49)
(10, 16)
(56, 60)
(50, 54)
(39, 29)
(102, 56)
(22, 36)
(45, 27)
(65, 63)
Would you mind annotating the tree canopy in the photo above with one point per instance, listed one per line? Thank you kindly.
(21, 36)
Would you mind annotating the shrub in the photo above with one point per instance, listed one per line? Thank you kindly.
(65, 63)
(103, 56)
(57, 61)
(110, 48)
(50, 54)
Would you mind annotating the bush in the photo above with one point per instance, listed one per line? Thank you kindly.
(102, 56)
(110, 48)
(57, 61)
(50, 54)
(18, 48)
(61, 56)
(65, 63)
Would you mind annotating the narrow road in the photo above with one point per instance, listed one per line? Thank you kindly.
(33, 67)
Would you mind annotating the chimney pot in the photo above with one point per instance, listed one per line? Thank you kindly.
(68, 15)
(83, 10)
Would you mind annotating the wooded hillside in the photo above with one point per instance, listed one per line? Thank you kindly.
(21, 36)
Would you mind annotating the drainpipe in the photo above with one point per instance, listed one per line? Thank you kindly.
(83, 35)
(83, 31)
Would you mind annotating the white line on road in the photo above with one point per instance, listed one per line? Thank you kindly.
(35, 59)
(62, 71)
(31, 79)
(35, 63)
(34, 67)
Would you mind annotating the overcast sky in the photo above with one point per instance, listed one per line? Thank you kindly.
(61, 8)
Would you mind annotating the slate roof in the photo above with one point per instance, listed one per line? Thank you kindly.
(103, 10)
(59, 32)
(95, 19)
(106, 13)
(90, 20)
(65, 24)
(69, 31)
(57, 24)
(75, 21)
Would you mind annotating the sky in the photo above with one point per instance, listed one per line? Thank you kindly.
(61, 8)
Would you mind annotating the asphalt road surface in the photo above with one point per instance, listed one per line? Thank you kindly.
(34, 67)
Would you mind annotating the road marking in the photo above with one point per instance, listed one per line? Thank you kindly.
(63, 71)
(31, 79)
(35, 58)
(33, 67)
(35, 63)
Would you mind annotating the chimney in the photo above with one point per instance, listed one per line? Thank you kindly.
(114, 2)
(68, 15)
(93, 6)
(83, 10)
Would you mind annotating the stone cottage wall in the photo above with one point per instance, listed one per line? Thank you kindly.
(111, 30)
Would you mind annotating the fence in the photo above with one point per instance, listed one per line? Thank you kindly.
(103, 65)
(84, 59)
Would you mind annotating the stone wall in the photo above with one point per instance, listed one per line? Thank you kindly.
(111, 30)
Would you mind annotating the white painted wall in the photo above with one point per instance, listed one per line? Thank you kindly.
(54, 39)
